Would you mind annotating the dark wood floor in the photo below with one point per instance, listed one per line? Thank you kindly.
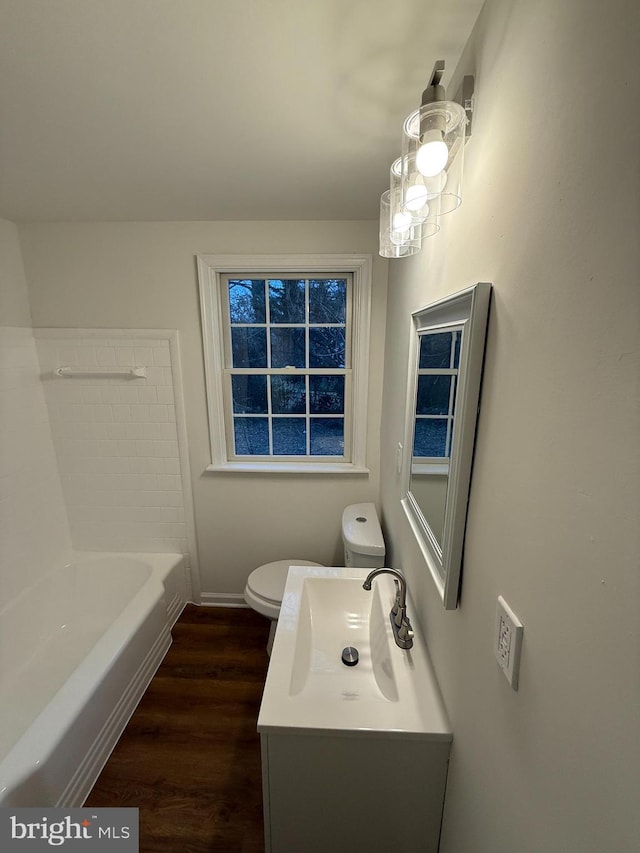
(189, 758)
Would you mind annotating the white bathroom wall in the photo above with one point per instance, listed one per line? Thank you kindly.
(33, 527)
(550, 216)
(116, 439)
(14, 297)
(142, 275)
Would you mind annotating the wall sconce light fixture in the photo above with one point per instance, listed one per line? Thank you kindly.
(426, 180)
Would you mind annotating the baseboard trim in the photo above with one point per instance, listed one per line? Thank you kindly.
(222, 599)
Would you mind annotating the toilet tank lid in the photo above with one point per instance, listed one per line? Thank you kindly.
(361, 531)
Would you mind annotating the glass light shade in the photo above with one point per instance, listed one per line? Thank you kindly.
(399, 236)
(433, 154)
(416, 204)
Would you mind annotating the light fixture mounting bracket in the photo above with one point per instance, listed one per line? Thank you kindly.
(436, 74)
(435, 90)
(464, 97)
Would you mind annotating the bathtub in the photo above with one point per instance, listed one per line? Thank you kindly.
(77, 651)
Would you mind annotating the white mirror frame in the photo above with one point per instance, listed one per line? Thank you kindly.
(470, 309)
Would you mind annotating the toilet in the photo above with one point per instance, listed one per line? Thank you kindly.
(363, 548)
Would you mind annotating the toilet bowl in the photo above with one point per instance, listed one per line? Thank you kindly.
(265, 586)
(363, 546)
(265, 589)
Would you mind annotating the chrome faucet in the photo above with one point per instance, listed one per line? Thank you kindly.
(402, 630)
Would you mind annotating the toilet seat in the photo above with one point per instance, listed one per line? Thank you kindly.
(265, 585)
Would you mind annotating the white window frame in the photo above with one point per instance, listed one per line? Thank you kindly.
(210, 270)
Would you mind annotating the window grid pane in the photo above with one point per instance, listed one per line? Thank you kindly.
(326, 436)
(287, 301)
(251, 436)
(246, 299)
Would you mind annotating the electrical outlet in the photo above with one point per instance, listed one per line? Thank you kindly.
(508, 641)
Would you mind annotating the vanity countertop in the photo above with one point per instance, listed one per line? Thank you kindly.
(390, 692)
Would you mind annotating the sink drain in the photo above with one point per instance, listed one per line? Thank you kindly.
(350, 656)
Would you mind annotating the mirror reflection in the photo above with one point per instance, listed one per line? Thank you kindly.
(435, 401)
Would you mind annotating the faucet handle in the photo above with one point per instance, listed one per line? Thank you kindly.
(396, 604)
(406, 631)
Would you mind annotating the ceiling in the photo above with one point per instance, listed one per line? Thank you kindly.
(211, 109)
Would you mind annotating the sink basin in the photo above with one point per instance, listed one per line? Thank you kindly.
(390, 691)
(336, 613)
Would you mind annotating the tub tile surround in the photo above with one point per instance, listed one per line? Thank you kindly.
(120, 442)
(34, 531)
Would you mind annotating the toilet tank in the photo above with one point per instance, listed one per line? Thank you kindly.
(362, 537)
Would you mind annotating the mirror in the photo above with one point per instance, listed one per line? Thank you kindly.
(445, 372)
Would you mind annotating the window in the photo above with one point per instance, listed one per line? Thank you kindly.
(438, 366)
(286, 355)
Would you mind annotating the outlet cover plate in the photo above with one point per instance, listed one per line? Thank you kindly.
(508, 642)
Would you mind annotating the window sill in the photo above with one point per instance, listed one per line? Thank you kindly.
(286, 468)
(440, 469)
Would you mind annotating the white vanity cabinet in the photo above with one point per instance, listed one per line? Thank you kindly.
(354, 756)
(332, 793)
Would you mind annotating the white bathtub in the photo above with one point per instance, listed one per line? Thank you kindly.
(77, 651)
